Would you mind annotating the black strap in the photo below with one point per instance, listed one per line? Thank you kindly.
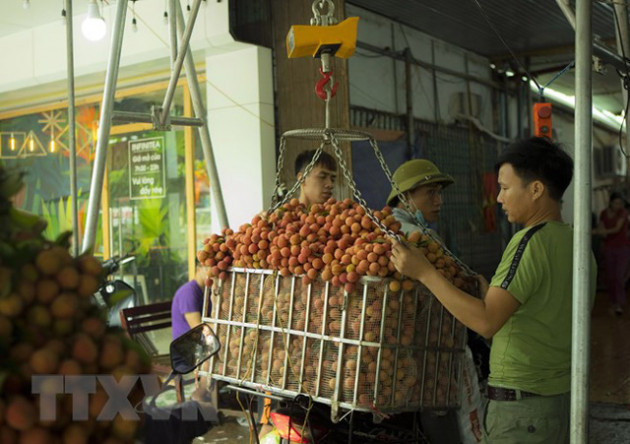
(519, 255)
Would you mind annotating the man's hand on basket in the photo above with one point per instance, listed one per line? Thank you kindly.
(409, 261)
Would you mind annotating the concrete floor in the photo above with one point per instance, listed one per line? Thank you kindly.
(609, 382)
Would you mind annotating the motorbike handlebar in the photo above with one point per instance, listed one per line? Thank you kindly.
(112, 264)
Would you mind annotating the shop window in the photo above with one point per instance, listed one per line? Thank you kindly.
(146, 187)
(37, 144)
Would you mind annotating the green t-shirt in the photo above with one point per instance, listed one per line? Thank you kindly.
(532, 351)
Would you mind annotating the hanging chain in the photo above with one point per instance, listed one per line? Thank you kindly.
(355, 191)
(300, 181)
(329, 136)
(279, 191)
(424, 229)
(388, 174)
(325, 19)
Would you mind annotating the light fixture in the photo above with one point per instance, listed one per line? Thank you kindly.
(134, 22)
(12, 142)
(52, 145)
(93, 27)
(31, 145)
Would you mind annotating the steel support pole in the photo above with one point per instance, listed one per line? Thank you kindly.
(582, 224)
(107, 106)
(172, 30)
(71, 128)
(204, 133)
(181, 54)
(623, 48)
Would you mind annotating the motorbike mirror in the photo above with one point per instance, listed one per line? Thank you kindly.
(115, 291)
(192, 348)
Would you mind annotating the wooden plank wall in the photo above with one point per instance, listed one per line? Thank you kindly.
(297, 104)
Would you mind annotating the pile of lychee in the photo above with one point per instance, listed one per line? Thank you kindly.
(49, 325)
(335, 241)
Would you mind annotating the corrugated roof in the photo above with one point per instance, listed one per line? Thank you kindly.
(526, 25)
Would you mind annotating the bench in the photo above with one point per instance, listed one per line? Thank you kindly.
(137, 321)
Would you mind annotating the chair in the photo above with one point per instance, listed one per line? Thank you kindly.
(137, 321)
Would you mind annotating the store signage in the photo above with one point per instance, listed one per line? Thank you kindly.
(146, 168)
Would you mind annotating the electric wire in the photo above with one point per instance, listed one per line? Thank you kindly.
(485, 16)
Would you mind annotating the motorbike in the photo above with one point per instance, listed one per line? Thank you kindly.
(181, 423)
(303, 421)
(115, 294)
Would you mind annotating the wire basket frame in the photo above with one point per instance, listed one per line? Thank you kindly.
(371, 350)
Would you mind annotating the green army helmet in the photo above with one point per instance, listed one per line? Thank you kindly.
(415, 173)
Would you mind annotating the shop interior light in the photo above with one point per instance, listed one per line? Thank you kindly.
(93, 27)
(31, 145)
(12, 142)
(52, 145)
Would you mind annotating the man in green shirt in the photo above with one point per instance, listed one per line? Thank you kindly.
(527, 306)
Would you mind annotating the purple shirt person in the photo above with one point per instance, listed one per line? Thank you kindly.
(187, 304)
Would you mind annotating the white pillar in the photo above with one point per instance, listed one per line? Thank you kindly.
(241, 121)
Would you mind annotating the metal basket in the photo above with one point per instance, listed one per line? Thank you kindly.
(370, 350)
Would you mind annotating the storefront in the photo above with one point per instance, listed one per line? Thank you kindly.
(152, 211)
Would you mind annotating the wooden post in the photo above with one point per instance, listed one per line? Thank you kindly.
(297, 105)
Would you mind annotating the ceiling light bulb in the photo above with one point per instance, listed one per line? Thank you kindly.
(12, 142)
(93, 27)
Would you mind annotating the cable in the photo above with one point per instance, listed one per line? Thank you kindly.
(249, 421)
(251, 398)
(369, 56)
(625, 78)
(485, 16)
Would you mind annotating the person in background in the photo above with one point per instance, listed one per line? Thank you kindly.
(188, 303)
(613, 225)
(527, 308)
(421, 182)
(319, 185)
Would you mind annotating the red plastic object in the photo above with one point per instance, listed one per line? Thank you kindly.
(281, 423)
(542, 119)
(319, 86)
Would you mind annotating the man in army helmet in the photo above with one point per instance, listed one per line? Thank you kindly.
(421, 182)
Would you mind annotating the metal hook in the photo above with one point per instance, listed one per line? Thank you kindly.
(324, 83)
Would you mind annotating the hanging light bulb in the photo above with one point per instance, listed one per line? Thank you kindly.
(12, 142)
(93, 27)
(52, 145)
(31, 145)
(134, 22)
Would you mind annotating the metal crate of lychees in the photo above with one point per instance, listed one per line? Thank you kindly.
(370, 350)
